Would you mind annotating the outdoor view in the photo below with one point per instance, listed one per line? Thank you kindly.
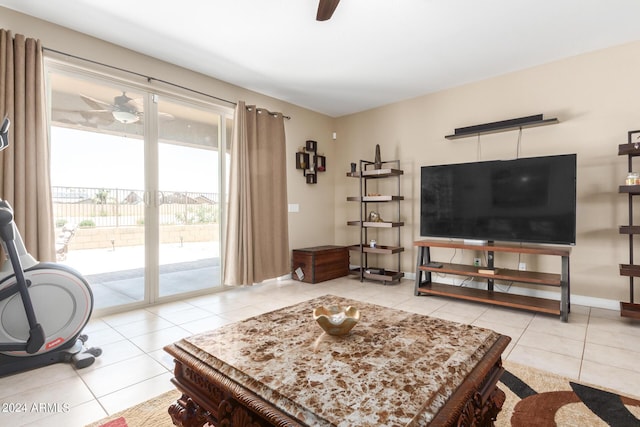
(139, 218)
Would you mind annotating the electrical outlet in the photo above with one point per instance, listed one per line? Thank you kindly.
(476, 262)
(522, 266)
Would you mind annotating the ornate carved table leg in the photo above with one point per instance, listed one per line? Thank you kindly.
(494, 406)
(479, 413)
(186, 413)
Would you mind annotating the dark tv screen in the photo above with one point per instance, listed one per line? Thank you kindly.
(523, 200)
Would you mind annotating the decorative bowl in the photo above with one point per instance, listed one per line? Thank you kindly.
(336, 320)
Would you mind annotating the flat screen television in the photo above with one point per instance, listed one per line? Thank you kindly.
(529, 200)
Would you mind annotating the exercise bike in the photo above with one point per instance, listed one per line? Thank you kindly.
(43, 306)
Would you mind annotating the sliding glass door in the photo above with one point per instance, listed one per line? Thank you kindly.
(137, 183)
(190, 171)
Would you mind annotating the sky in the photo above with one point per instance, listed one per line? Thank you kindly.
(95, 160)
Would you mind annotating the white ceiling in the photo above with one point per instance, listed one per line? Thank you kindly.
(371, 53)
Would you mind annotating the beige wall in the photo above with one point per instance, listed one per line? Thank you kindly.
(595, 98)
(314, 224)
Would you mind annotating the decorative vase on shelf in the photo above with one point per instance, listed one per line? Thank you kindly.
(377, 162)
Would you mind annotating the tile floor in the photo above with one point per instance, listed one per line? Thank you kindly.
(596, 346)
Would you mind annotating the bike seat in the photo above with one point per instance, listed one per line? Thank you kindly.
(4, 133)
(6, 216)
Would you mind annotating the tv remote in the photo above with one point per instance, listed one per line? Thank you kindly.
(434, 264)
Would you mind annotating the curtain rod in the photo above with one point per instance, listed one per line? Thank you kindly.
(148, 78)
(271, 113)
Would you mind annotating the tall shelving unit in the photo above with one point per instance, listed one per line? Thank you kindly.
(367, 173)
(631, 270)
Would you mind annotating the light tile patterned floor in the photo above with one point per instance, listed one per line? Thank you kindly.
(596, 346)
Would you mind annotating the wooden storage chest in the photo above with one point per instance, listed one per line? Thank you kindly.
(320, 263)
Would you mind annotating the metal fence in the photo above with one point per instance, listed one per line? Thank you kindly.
(117, 207)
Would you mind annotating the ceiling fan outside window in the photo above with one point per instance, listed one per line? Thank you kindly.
(124, 109)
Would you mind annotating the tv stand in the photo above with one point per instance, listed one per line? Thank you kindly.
(425, 266)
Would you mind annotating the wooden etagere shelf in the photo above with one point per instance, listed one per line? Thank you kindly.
(425, 268)
(366, 172)
(631, 270)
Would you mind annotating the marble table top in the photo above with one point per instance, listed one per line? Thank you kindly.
(394, 368)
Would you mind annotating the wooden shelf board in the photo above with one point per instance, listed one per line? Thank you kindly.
(630, 229)
(375, 173)
(492, 297)
(374, 199)
(628, 149)
(498, 247)
(630, 270)
(383, 224)
(629, 189)
(628, 309)
(381, 173)
(382, 249)
(388, 276)
(379, 249)
(505, 128)
(533, 277)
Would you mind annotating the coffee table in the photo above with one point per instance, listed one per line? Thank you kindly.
(394, 368)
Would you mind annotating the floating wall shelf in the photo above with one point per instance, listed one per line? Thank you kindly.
(502, 126)
(310, 162)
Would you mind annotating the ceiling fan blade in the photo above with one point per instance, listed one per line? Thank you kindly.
(137, 103)
(83, 118)
(64, 110)
(166, 116)
(326, 9)
(96, 104)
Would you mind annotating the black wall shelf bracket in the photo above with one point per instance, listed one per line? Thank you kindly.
(502, 126)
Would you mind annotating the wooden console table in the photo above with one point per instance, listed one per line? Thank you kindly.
(394, 368)
(426, 267)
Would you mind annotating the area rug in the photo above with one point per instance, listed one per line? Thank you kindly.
(543, 399)
(534, 398)
(152, 413)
